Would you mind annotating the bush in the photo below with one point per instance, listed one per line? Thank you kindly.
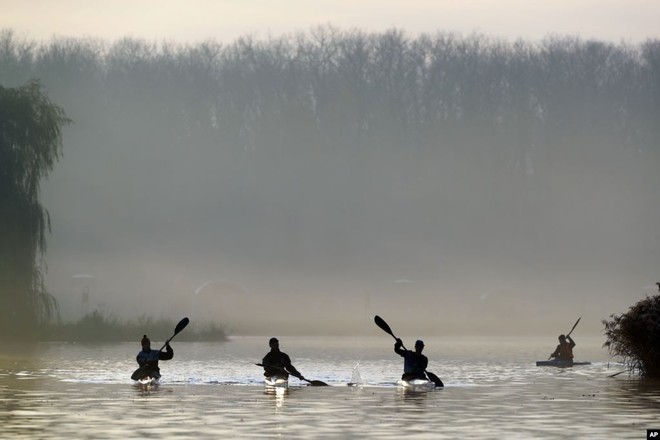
(635, 336)
(97, 327)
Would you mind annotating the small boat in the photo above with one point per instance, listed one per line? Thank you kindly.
(560, 363)
(416, 384)
(148, 381)
(146, 377)
(276, 381)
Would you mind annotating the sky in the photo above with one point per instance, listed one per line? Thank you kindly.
(225, 20)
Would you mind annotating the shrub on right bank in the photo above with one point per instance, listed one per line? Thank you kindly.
(635, 337)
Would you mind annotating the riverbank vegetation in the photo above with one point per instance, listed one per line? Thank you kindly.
(98, 327)
(635, 336)
(30, 143)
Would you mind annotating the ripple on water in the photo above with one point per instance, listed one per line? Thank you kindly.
(211, 392)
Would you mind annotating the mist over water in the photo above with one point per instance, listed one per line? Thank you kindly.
(303, 184)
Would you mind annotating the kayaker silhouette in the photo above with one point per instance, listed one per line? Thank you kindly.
(278, 363)
(148, 358)
(414, 362)
(564, 351)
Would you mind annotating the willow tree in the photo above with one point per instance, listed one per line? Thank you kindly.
(30, 143)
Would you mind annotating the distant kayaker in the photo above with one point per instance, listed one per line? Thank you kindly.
(414, 362)
(277, 362)
(148, 358)
(564, 351)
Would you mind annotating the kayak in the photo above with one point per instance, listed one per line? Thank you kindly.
(145, 374)
(560, 363)
(148, 380)
(416, 384)
(145, 377)
(276, 381)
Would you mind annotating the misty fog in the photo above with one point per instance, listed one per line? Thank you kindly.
(451, 184)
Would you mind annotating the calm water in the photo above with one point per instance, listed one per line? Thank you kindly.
(492, 390)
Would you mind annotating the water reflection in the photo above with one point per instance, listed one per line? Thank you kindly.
(146, 389)
(278, 393)
(415, 396)
(641, 393)
(212, 391)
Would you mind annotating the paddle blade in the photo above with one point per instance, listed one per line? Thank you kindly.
(435, 379)
(318, 383)
(380, 322)
(181, 325)
(137, 374)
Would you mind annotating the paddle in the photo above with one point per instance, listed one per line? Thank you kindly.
(574, 325)
(569, 333)
(314, 383)
(139, 373)
(380, 322)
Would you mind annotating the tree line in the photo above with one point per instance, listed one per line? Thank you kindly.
(359, 89)
(392, 124)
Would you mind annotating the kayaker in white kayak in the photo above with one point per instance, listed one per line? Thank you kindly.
(278, 363)
(564, 351)
(148, 358)
(414, 362)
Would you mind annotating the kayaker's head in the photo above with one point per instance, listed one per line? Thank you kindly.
(146, 343)
(419, 346)
(274, 344)
(562, 338)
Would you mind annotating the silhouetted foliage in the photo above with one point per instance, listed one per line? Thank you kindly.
(98, 327)
(30, 143)
(635, 336)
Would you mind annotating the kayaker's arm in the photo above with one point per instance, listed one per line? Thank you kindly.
(556, 352)
(285, 361)
(293, 372)
(167, 354)
(397, 347)
(287, 369)
(570, 341)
